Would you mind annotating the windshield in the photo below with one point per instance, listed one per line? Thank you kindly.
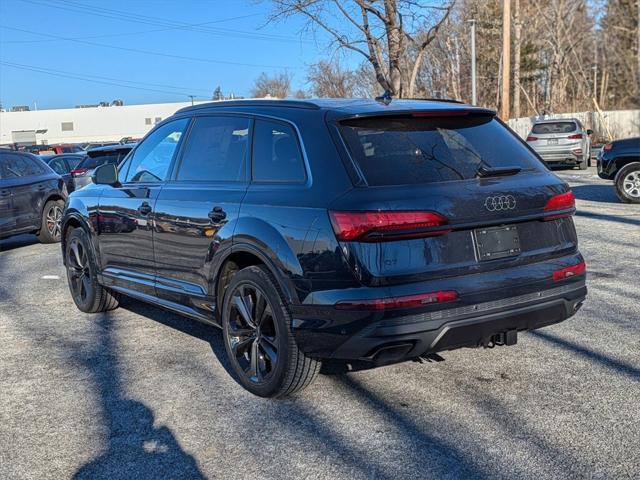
(414, 150)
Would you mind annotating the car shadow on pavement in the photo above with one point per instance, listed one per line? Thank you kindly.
(295, 415)
(610, 218)
(596, 193)
(616, 365)
(135, 447)
(17, 242)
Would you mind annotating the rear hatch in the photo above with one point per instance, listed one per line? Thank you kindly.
(558, 136)
(446, 195)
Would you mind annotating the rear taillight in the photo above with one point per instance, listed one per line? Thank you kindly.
(607, 147)
(569, 272)
(575, 136)
(375, 226)
(390, 303)
(531, 138)
(79, 171)
(559, 206)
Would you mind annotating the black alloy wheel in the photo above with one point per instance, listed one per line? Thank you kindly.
(88, 295)
(79, 272)
(257, 335)
(253, 333)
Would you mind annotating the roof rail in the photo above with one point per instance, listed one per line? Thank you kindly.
(253, 103)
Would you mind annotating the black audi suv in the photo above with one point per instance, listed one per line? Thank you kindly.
(349, 231)
(31, 197)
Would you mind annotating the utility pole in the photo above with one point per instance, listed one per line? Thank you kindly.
(506, 58)
(517, 31)
(474, 94)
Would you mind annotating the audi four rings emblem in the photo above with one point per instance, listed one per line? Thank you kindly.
(500, 202)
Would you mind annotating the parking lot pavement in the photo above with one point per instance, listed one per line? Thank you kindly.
(142, 393)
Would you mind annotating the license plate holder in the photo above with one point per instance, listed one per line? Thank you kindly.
(496, 242)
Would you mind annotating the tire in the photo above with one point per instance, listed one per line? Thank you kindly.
(50, 222)
(256, 326)
(88, 295)
(627, 183)
(584, 164)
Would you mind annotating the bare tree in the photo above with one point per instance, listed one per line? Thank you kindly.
(277, 86)
(330, 79)
(391, 35)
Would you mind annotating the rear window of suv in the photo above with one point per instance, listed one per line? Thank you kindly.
(403, 150)
(554, 127)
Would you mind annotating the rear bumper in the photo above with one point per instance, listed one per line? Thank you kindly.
(560, 156)
(391, 336)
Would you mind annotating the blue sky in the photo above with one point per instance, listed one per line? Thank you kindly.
(227, 41)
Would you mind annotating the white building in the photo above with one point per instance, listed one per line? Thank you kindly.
(78, 125)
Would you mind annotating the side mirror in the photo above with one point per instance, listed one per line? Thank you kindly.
(589, 131)
(106, 174)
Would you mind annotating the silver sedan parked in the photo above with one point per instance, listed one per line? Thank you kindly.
(561, 141)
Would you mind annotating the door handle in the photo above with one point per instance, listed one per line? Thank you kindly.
(217, 214)
(144, 209)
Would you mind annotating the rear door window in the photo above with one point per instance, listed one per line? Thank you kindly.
(404, 150)
(58, 166)
(276, 154)
(14, 166)
(554, 127)
(216, 150)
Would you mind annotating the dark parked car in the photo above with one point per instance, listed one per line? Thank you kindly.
(343, 230)
(620, 161)
(94, 158)
(31, 197)
(63, 165)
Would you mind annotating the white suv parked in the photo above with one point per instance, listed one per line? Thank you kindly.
(561, 141)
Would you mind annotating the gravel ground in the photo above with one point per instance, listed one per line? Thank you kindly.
(142, 393)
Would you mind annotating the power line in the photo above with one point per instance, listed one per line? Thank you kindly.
(145, 19)
(126, 34)
(145, 52)
(103, 77)
(56, 73)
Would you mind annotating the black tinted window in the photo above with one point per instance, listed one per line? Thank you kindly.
(276, 154)
(13, 166)
(415, 150)
(554, 127)
(152, 159)
(58, 166)
(73, 162)
(111, 157)
(216, 150)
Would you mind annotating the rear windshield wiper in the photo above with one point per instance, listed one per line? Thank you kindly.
(487, 171)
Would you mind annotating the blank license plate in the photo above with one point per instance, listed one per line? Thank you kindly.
(496, 242)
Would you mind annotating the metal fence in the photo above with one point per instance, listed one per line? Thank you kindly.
(609, 125)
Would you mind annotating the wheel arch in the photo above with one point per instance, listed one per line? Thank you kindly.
(75, 220)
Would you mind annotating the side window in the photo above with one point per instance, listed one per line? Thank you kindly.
(73, 162)
(276, 154)
(216, 150)
(152, 158)
(58, 166)
(20, 166)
